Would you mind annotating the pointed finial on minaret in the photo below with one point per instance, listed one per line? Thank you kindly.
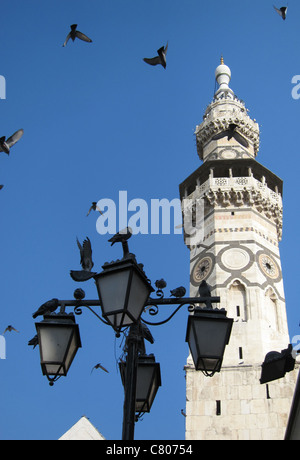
(223, 76)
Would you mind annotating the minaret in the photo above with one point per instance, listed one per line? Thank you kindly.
(237, 253)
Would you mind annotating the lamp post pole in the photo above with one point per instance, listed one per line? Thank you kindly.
(130, 384)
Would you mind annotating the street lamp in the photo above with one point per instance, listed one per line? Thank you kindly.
(208, 332)
(148, 381)
(123, 290)
(124, 294)
(59, 340)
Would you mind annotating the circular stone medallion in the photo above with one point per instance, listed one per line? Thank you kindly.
(235, 258)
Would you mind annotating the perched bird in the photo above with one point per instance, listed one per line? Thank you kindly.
(75, 33)
(121, 236)
(204, 291)
(99, 366)
(94, 207)
(34, 341)
(5, 145)
(160, 59)
(85, 261)
(160, 284)
(230, 133)
(178, 292)
(48, 307)
(282, 11)
(9, 329)
(146, 333)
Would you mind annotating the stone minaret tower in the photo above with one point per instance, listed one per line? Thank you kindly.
(237, 253)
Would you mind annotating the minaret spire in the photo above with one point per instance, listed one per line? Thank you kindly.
(223, 77)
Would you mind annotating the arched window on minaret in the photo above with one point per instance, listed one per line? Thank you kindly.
(271, 309)
(236, 301)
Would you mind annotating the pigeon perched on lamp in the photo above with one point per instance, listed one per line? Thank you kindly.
(48, 307)
(178, 292)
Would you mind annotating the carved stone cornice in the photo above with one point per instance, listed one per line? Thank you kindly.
(219, 115)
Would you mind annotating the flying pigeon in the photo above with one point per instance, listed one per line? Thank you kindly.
(85, 261)
(99, 366)
(160, 59)
(34, 341)
(204, 291)
(48, 307)
(178, 292)
(121, 236)
(75, 33)
(282, 11)
(5, 145)
(230, 133)
(94, 207)
(1, 187)
(9, 329)
(183, 413)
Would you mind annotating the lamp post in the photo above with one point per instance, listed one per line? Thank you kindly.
(124, 294)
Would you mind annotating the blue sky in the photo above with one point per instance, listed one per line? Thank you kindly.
(98, 120)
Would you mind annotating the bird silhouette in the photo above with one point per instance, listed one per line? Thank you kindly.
(34, 341)
(48, 307)
(178, 292)
(146, 334)
(85, 261)
(121, 236)
(99, 366)
(94, 207)
(160, 284)
(75, 33)
(9, 329)
(232, 133)
(204, 291)
(5, 145)
(1, 187)
(160, 59)
(282, 11)
(183, 413)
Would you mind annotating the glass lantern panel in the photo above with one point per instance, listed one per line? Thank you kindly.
(113, 288)
(54, 341)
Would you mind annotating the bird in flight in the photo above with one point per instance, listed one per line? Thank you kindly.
(160, 59)
(85, 261)
(99, 366)
(5, 145)
(9, 329)
(282, 11)
(94, 207)
(75, 33)
(232, 133)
